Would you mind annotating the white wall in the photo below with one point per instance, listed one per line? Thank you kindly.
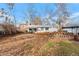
(49, 30)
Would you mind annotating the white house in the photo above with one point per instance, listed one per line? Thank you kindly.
(37, 28)
(41, 28)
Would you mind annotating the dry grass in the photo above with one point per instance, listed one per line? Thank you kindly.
(37, 45)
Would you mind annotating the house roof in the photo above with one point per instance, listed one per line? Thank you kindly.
(38, 26)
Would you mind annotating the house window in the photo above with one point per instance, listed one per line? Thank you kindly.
(30, 30)
(42, 28)
(34, 29)
(46, 28)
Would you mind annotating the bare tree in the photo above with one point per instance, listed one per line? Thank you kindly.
(10, 7)
(62, 15)
(48, 13)
(6, 23)
(31, 15)
(37, 21)
(31, 12)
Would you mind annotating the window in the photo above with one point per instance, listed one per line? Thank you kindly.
(42, 28)
(46, 28)
(30, 30)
